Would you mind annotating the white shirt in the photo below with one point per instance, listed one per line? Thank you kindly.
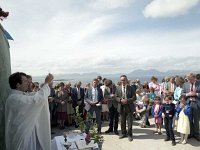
(94, 94)
(79, 94)
(124, 91)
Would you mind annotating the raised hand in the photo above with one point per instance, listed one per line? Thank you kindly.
(49, 78)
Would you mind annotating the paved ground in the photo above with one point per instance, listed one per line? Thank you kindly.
(143, 139)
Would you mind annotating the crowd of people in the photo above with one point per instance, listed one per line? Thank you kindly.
(174, 103)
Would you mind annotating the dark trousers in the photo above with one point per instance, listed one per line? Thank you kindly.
(194, 120)
(97, 110)
(126, 114)
(168, 126)
(81, 109)
(114, 118)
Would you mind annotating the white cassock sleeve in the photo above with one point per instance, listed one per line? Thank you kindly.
(25, 114)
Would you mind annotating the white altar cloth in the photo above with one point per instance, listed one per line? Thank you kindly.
(58, 142)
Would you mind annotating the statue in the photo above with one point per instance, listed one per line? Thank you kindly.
(5, 71)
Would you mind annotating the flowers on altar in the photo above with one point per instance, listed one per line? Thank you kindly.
(93, 135)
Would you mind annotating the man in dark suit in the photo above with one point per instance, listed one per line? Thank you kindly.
(126, 96)
(109, 96)
(77, 96)
(94, 97)
(52, 105)
(191, 90)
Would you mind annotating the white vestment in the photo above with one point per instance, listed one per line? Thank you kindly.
(27, 120)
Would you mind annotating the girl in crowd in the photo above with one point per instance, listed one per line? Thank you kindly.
(183, 113)
(156, 112)
(154, 84)
(177, 93)
(151, 95)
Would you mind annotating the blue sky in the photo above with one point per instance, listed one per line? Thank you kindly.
(105, 36)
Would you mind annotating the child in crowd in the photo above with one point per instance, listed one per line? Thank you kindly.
(141, 110)
(183, 113)
(151, 95)
(139, 107)
(138, 95)
(168, 114)
(156, 112)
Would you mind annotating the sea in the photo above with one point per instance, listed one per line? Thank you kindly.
(86, 80)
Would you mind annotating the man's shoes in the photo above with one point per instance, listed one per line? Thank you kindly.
(122, 136)
(155, 132)
(173, 142)
(116, 132)
(76, 126)
(148, 124)
(190, 136)
(197, 138)
(130, 138)
(167, 139)
(143, 126)
(61, 127)
(108, 131)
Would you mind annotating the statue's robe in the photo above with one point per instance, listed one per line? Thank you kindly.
(5, 71)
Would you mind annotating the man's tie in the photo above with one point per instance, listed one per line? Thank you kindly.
(124, 92)
(191, 90)
(192, 84)
(111, 91)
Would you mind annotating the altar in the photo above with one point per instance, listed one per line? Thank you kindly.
(76, 140)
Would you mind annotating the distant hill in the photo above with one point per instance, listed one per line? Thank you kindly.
(154, 72)
(134, 74)
(149, 72)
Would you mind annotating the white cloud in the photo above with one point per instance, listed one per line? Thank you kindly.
(90, 52)
(81, 36)
(110, 4)
(168, 8)
(122, 53)
(63, 33)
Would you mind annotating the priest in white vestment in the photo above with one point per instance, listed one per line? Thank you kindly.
(27, 118)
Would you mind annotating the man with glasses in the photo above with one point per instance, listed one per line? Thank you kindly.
(126, 96)
(191, 90)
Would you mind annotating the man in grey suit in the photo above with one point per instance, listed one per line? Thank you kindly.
(126, 96)
(94, 97)
(109, 96)
(191, 90)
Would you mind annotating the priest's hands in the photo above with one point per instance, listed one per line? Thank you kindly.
(49, 78)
